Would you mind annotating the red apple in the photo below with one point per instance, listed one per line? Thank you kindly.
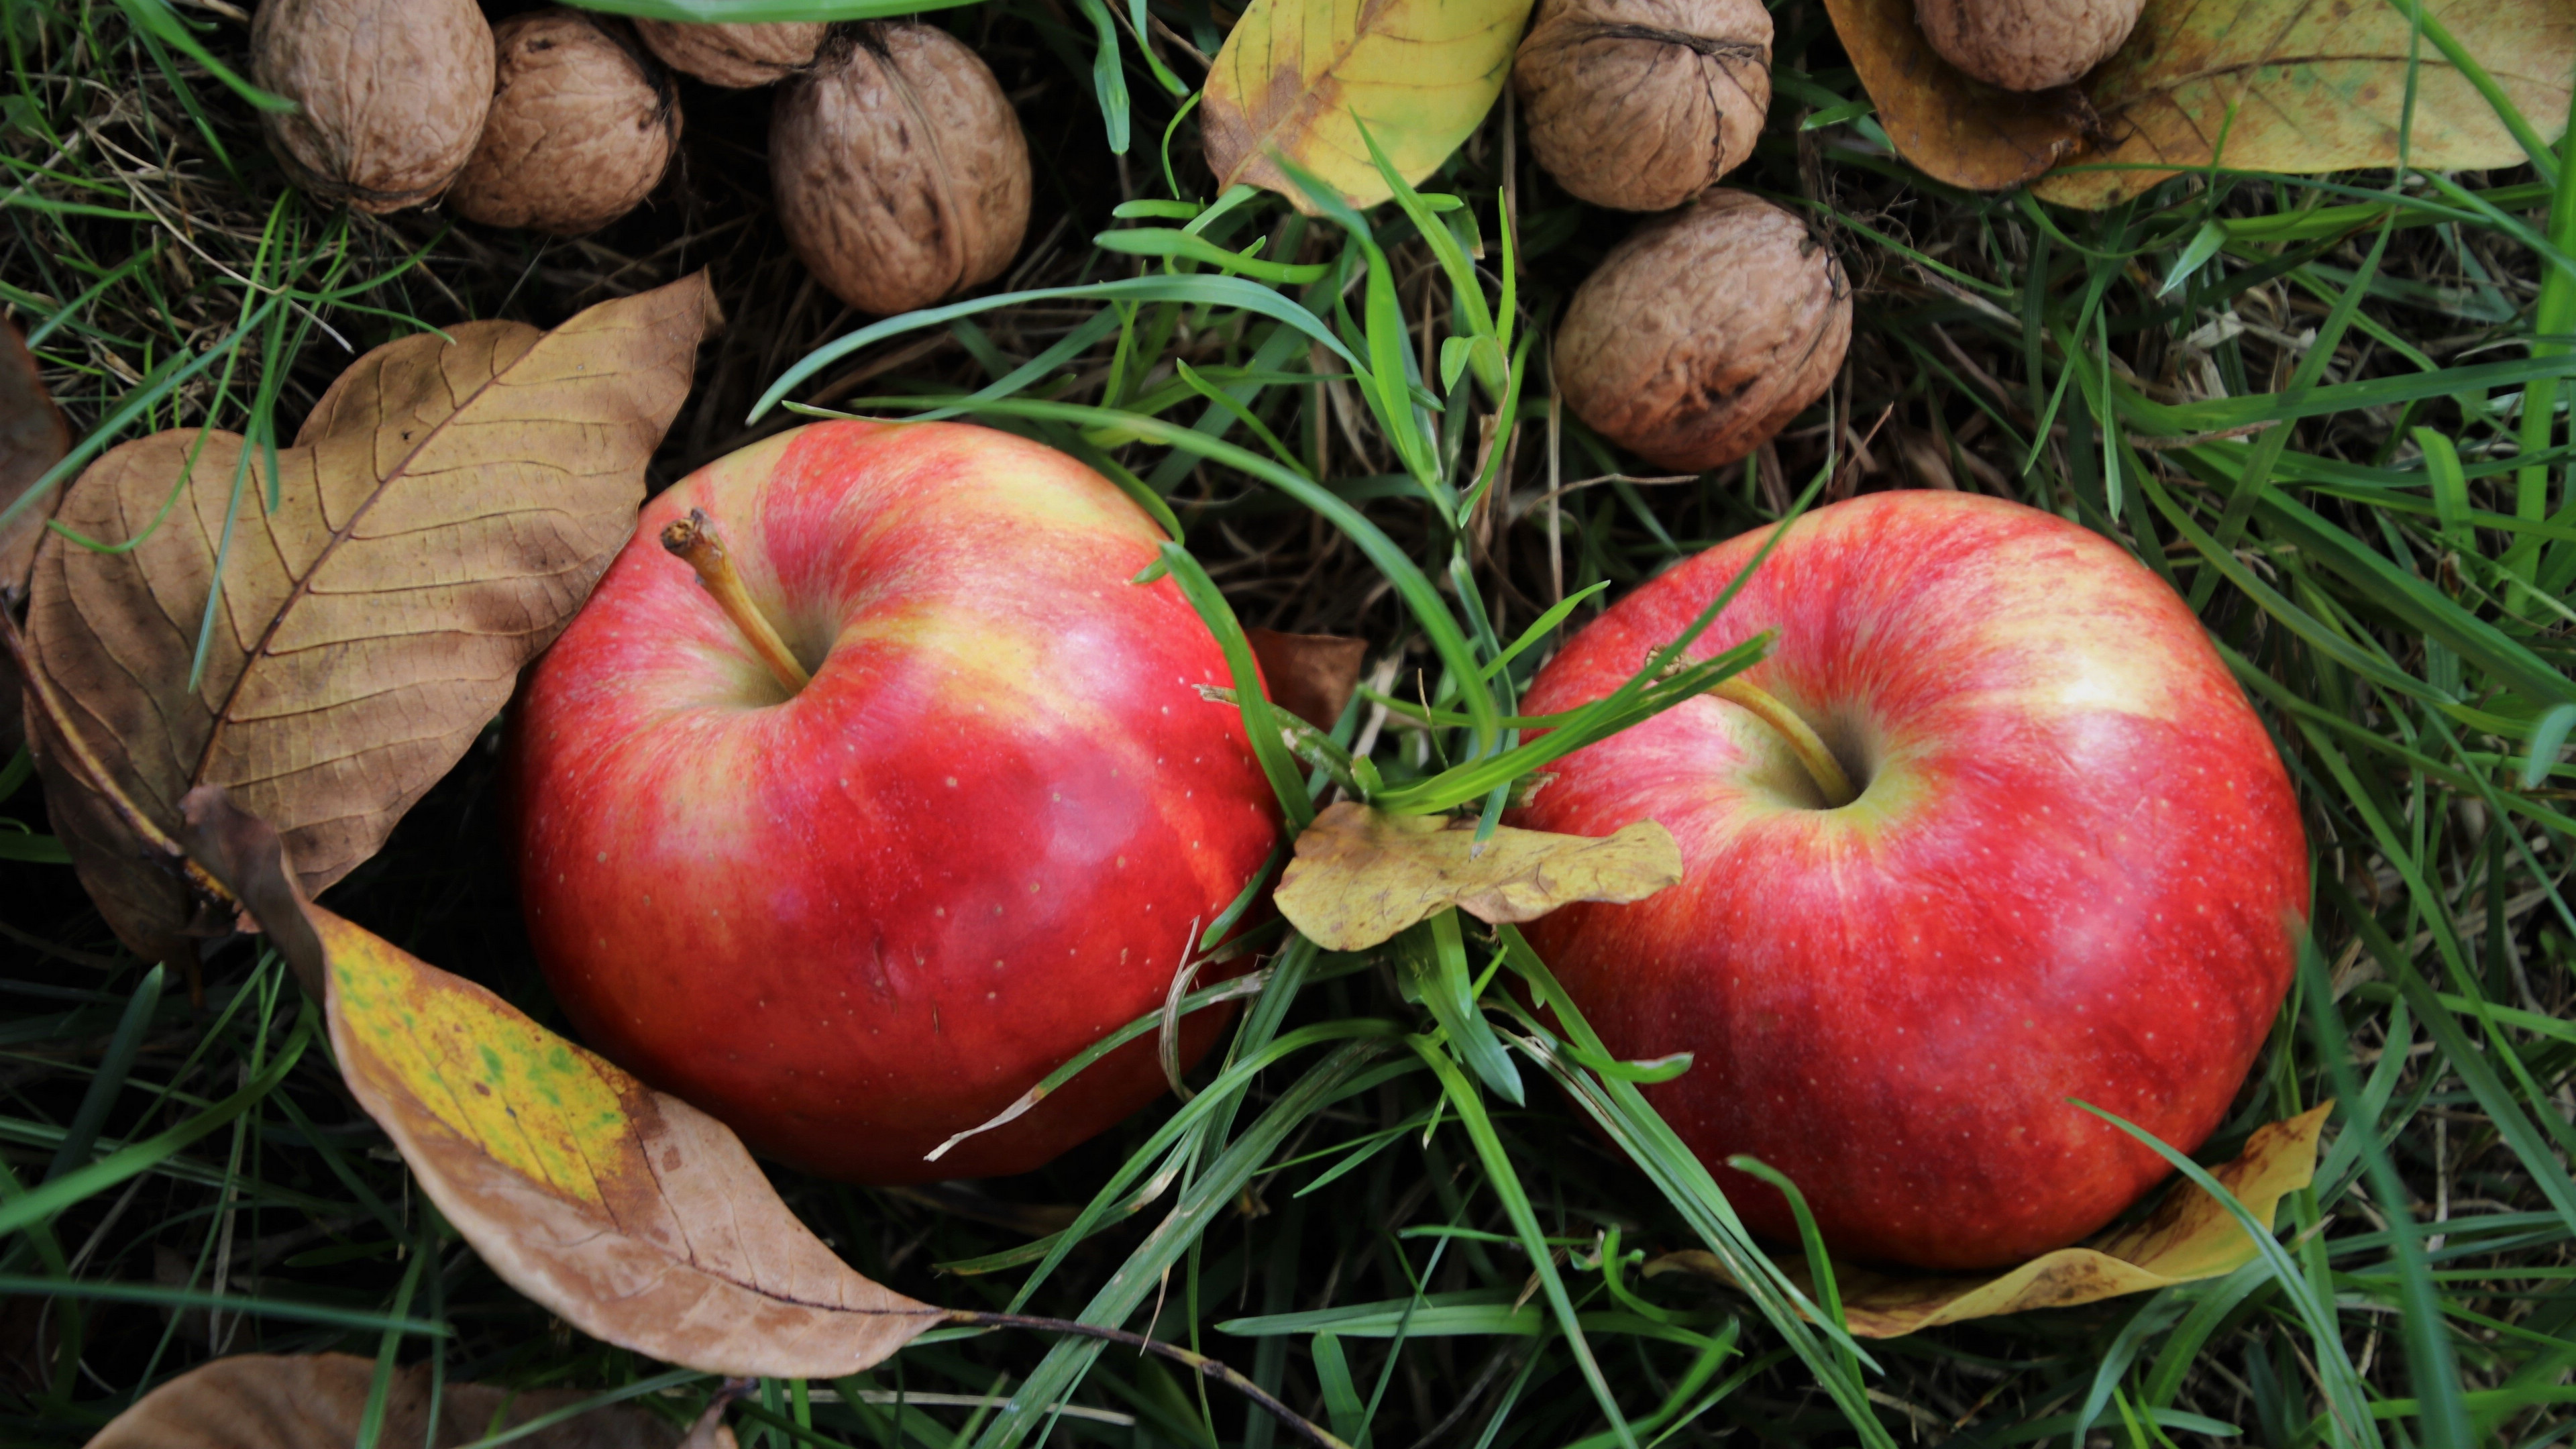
(2074, 869)
(854, 920)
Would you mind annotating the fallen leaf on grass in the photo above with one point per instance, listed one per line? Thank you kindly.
(2190, 1235)
(1312, 676)
(1950, 125)
(1293, 74)
(446, 508)
(633, 1216)
(315, 1401)
(2300, 86)
(33, 438)
(1360, 877)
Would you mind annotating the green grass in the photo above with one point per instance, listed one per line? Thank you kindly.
(1377, 1205)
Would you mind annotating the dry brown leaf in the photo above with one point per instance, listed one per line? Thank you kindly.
(2190, 1235)
(1360, 877)
(315, 1401)
(444, 511)
(1953, 127)
(2314, 87)
(1312, 676)
(635, 1217)
(33, 438)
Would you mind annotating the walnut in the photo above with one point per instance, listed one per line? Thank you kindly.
(737, 57)
(2026, 45)
(1643, 104)
(1705, 332)
(901, 171)
(390, 94)
(583, 124)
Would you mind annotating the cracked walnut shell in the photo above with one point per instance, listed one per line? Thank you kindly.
(2026, 45)
(1705, 332)
(389, 94)
(1643, 104)
(737, 57)
(901, 170)
(582, 127)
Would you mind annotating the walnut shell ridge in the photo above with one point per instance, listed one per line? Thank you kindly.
(390, 94)
(582, 126)
(737, 57)
(1705, 332)
(901, 171)
(2026, 45)
(1643, 104)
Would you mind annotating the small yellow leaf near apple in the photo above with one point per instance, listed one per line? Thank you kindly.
(2189, 1236)
(1359, 876)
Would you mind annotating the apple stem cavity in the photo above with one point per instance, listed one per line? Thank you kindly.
(1804, 742)
(694, 540)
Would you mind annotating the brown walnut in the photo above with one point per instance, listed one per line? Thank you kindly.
(583, 124)
(1705, 332)
(737, 57)
(901, 170)
(1643, 104)
(390, 94)
(2026, 45)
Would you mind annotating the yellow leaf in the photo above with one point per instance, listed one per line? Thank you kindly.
(1950, 125)
(2314, 87)
(2190, 1235)
(1420, 73)
(635, 1217)
(1360, 877)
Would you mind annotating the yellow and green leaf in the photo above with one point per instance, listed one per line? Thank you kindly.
(636, 1218)
(1297, 79)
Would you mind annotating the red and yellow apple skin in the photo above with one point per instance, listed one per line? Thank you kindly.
(2075, 870)
(853, 922)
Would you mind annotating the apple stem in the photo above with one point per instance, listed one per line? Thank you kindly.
(1803, 740)
(694, 540)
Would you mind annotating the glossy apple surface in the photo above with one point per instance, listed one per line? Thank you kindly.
(2075, 869)
(855, 921)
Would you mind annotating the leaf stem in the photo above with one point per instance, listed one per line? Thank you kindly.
(1199, 1363)
(1803, 740)
(693, 539)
